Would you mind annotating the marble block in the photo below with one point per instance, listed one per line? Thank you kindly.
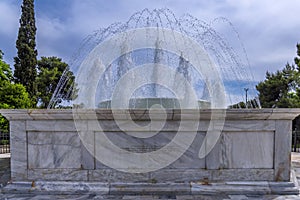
(18, 149)
(189, 160)
(246, 150)
(54, 150)
(282, 156)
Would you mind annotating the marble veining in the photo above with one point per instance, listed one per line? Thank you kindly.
(53, 150)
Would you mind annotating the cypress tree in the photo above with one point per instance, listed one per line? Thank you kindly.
(26, 61)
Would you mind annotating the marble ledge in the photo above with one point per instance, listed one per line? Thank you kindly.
(161, 176)
(143, 114)
(60, 188)
(171, 125)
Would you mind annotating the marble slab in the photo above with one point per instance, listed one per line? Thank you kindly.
(189, 160)
(57, 175)
(18, 149)
(247, 150)
(113, 176)
(283, 143)
(54, 150)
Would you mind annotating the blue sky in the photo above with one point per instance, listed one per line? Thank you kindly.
(269, 29)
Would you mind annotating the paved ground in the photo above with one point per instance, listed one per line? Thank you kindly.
(4, 169)
(83, 197)
(4, 178)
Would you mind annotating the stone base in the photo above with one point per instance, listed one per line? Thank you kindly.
(193, 188)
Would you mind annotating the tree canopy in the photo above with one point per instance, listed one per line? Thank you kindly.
(50, 70)
(12, 95)
(282, 88)
(5, 71)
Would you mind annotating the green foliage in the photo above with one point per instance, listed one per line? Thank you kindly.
(40, 78)
(282, 88)
(5, 71)
(50, 70)
(26, 61)
(4, 142)
(4, 124)
(250, 104)
(11, 95)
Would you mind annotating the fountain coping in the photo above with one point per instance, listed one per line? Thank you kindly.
(142, 114)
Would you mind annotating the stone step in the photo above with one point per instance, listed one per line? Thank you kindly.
(171, 189)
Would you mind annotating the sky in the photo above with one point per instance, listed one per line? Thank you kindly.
(268, 29)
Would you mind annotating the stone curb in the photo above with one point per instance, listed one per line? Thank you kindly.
(228, 188)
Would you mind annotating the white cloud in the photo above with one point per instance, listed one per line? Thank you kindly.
(269, 29)
(9, 17)
(269, 13)
(50, 28)
(260, 23)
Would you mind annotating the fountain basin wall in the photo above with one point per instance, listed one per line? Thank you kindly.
(254, 146)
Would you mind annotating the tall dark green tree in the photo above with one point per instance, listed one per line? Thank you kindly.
(26, 60)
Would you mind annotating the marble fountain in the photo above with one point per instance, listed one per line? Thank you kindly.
(252, 154)
(156, 130)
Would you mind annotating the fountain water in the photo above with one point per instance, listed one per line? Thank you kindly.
(232, 67)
